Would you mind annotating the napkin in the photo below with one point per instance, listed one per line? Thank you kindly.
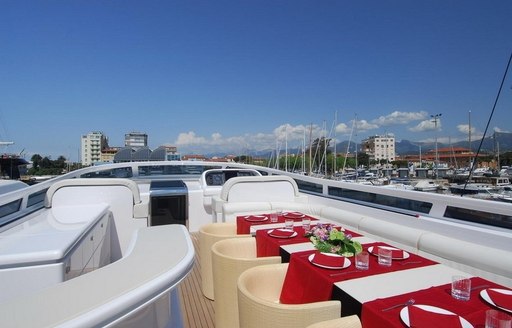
(326, 260)
(396, 253)
(419, 318)
(281, 233)
(255, 218)
(500, 299)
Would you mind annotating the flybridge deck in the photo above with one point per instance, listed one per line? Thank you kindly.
(130, 189)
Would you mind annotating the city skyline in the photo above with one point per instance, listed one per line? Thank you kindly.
(204, 76)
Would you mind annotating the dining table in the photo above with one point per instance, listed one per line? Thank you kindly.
(306, 282)
(369, 293)
(412, 290)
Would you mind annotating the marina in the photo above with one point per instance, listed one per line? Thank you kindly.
(146, 205)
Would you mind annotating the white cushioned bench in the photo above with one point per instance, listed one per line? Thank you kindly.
(489, 262)
(411, 234)
(254, 194)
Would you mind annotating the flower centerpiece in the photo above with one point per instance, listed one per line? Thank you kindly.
(328, 239)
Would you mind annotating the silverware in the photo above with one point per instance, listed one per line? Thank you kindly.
(411, 262)
(409, 302)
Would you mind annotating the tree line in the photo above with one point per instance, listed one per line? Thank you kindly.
(47, 166)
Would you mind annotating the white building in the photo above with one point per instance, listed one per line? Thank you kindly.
(91, 146)
(380, 148)
(136, 140)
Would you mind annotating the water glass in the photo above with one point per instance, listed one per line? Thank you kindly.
(497, 319)
(273, 217)
(306, 224)
(362, 260)
(461, 288)
(288, 224)
(385, 256)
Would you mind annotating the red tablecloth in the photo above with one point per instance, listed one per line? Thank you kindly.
(306, 283)
(243, 226)
(267, 245)
(439, 296)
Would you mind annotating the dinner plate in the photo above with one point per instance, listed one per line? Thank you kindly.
(488, 299)
(404, 314)
(406, 254)
(293, 215)
(345, 265)
(256, 218)
(277, 236)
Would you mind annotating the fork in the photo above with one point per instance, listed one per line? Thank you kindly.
(409, 302)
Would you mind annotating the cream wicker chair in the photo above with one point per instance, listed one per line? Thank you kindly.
(230, 258)
(209, 234)
(258, 302)
(345, 322)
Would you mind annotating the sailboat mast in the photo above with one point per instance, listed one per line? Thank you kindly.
(286, 148)
(469, 134)
(310, 141)
(335, 141)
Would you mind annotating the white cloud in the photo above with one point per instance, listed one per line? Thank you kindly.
(497, 129)
(426, 125)
(190, 142)
(363, 126)
(397, 117)
(342, 128)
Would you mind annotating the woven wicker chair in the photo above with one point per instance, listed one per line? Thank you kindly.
(230, 258)
(345, 322)
(209, 234)
(258, 302)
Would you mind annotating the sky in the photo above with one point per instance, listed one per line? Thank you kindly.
(233, 76)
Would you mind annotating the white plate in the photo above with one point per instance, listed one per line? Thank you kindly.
(290, 236)
(256, 218)
(486, 297)
(346, 264)
(404, 314)
(406, 255)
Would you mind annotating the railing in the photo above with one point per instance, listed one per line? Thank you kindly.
(18, 204)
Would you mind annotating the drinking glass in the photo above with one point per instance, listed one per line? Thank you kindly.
(362, 260)
(306, 224)
(497, 319)
(385, 256)
(273, 217)
(288, 224)
(461, 288)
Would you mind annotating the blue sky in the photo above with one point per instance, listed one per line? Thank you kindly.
(237, 75)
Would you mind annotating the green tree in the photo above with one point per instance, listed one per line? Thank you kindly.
(36, 160)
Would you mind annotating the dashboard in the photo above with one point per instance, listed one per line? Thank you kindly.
(219, 177)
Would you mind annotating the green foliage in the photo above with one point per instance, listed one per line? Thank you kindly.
(46, 166)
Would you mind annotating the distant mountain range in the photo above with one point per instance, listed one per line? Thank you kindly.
(491, 144)
(499, 141)
(503, 141)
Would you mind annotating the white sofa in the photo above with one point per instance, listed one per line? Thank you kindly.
(448, 243)
(254, 195)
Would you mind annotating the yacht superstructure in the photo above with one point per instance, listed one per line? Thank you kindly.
(99, 239)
